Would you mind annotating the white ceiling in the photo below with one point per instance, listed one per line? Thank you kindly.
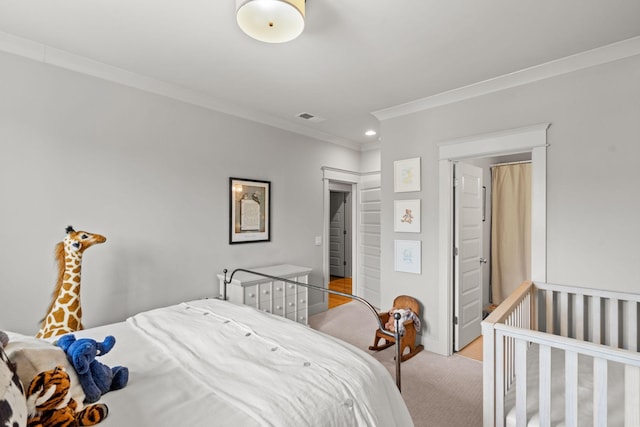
(354, 57)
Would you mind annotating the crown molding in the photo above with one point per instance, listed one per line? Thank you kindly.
(370, 146)
(51, 56)
(579, 61)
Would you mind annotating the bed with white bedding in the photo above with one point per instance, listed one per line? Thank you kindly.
(209, 362)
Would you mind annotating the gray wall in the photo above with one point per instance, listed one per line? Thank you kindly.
(152, 175)
(592, 184)
(370, 160)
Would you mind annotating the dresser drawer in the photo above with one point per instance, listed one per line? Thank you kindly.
(251, 295)
(299, 316)
(278, 308)
(291, 288)
(278, 290)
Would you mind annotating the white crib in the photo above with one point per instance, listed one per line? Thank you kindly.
(562, 356)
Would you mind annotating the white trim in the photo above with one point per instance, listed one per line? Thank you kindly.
(539, 214)
(531, 139)
(63, 59)
(329, 175)
(601, 55)
(343, 175)
(509, 141)
(445, 243)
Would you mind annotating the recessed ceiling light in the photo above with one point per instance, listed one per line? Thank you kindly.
(370, 132)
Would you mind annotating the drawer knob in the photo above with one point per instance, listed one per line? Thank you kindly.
(278, 307)
(266, 292)
(302, 301)
(252, 295)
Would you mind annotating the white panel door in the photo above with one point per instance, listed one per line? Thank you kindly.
(337, 260)
(369, 238)
(468, 253)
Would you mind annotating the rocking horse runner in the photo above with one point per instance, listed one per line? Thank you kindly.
(65, 313)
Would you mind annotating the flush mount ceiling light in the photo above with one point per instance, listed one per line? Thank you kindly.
(271, 21)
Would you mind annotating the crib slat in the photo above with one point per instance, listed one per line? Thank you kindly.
(613, 323)
(500, 379)
(521, 382)
(545, 385)
(596, 310)
(549, 311)
(571, 388)
(599, 392)
(631, 396)
(631, 326)
(580, 317)
(564, 314)
(529, 311)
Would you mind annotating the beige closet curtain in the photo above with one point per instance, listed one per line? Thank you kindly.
(510, 228)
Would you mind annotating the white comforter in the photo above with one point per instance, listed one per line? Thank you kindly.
(209, 363)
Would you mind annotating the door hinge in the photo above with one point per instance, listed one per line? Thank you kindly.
(344, 263)
(455, 251)
(456, 182)
(455, 320)
(344, 232)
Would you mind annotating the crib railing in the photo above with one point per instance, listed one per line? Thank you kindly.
(597, 316)
(517, 310)
(576, 321)
(521, 339)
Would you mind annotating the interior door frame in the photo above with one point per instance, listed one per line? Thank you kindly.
(529, 139)
(348, 178)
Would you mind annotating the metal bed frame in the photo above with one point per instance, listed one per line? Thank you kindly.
(396, 316)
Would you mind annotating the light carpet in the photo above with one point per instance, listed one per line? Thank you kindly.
(438, 390)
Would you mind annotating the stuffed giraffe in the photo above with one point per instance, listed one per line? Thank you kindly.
(65, 313)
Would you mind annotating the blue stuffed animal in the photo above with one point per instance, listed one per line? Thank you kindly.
(96, 378)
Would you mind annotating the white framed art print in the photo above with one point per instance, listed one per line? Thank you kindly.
(406, 216)
(406, 175)
(408, 256)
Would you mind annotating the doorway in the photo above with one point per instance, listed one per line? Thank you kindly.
(493, 247)
(530, 139)
(340, 244)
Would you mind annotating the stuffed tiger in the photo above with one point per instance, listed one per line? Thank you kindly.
(49, 403)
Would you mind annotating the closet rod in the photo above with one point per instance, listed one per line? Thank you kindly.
(509, 163)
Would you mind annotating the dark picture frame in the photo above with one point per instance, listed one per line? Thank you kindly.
(249, 210)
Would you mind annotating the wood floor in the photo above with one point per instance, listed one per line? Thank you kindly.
(341, 284)
(473, 350)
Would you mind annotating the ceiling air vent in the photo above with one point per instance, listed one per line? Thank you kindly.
(310, 117)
